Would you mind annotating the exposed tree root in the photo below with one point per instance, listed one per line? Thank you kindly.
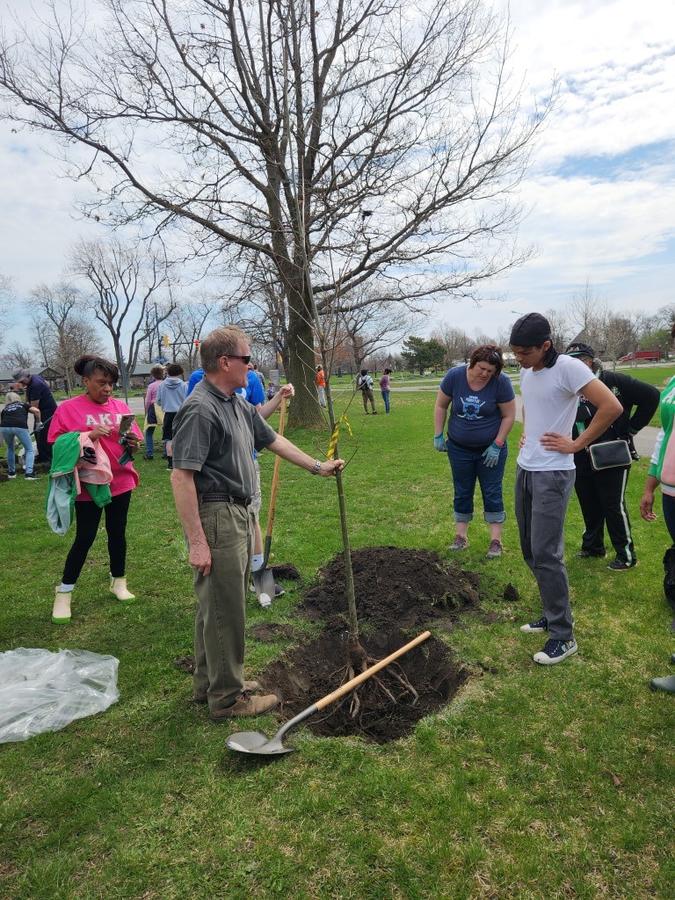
(375, 683)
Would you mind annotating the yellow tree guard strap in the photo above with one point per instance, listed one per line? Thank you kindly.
(330, 453)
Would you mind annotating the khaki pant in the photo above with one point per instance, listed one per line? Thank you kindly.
(221, 607)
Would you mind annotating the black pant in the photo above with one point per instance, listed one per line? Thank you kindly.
(602, 497)
(87, 518)
(44, 448)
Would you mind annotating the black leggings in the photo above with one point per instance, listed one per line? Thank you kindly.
(88, 517)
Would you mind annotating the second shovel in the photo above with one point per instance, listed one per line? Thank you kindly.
(263, 579)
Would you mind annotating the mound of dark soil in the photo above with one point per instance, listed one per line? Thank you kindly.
(393, 585)
(309, 672)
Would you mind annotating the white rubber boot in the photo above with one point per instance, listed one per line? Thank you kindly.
(61, 608)
(118, 587)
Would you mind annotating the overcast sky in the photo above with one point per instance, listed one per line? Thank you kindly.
(600, 192)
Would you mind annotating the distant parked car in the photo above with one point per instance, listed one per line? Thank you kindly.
(642, 356)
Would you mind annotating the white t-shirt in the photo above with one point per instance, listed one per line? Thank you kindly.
(550, 399)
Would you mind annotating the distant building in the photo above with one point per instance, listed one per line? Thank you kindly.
(141, 376)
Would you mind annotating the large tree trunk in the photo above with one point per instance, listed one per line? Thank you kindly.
(304, 410)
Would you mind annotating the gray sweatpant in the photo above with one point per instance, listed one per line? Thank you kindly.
(541, 504)
(221, 607)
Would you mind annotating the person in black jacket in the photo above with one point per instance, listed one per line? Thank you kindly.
(602, 494)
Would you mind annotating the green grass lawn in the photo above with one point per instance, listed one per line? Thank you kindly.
(533, 782)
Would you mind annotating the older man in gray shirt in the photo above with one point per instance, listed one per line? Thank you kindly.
(214, 435)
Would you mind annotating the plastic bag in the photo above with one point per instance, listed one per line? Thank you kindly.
(45, 691)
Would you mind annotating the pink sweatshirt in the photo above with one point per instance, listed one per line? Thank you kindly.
(82, 414)
(151, 393)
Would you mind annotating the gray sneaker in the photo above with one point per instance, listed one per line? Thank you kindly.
(460, 543)
(494, 550)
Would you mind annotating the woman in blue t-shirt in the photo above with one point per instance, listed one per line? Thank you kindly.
(483, 410)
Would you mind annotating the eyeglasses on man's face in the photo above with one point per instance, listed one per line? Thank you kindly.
(244, 359)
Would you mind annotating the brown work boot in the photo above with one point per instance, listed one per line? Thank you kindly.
(249, 688)
(246, 705)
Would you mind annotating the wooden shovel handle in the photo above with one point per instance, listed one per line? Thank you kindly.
(364, 676)
(275, 473)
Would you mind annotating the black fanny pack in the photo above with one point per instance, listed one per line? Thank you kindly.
(609, 455)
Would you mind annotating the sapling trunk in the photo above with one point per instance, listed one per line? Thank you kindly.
(357, 654)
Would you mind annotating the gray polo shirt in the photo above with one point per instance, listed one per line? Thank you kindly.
(214, 436)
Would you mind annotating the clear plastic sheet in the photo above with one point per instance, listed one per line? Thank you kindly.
(44, 691)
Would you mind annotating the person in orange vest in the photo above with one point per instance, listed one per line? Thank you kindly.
(320, 382)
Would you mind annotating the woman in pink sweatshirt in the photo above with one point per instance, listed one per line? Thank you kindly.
(97, 413)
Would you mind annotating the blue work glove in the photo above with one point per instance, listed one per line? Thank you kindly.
(491, 455)
(439, 443)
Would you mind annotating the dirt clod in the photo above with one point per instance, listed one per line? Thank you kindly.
(511, 594)
(185, 664)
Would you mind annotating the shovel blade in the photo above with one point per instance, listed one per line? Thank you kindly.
(263, 582)
(256, 743)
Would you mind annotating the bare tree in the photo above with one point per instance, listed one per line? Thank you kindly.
(63, 332)
(123, 281)
(621, 336)
(18, 356)
(185, 326)
(588, 314)
(561, 331)
(374, 328)
(379, 139)
(458, 344)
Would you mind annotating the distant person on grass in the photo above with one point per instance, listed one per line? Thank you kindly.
(98, 414)
(215, 434)
(482, 412)
(170, 396)
(602, 493)
(14, 426)
(364, 383)
(158, 374)
(550, 385)
(320, 382)
(38, 393)
(385, 388)
(662, 472)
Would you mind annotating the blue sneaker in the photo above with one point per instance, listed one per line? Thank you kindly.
(555, 651)
(535, 627)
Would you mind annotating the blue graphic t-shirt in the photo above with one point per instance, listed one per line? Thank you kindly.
(475, 417)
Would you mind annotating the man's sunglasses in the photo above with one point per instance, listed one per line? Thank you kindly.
(244, 359)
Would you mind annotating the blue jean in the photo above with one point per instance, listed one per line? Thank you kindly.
(22, 435)
(150, 441)
(467, 466)
(385, 397)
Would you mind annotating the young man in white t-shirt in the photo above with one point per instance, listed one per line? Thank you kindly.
(550, 385)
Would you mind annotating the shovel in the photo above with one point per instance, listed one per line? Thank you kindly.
(256, 743)
(263, 579)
